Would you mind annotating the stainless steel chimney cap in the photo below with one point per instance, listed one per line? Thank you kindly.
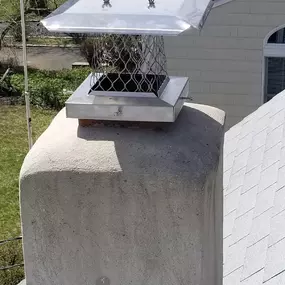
(167, 17)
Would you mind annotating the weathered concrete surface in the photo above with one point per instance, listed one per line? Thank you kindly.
(125, 206)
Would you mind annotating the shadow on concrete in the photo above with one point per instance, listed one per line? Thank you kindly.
(140, 148)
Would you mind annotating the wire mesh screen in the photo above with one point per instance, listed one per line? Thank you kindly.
(128, 63)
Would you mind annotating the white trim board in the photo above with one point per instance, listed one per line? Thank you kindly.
(274, 50)
(270, 50)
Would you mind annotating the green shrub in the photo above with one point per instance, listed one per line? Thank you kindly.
(50, 89)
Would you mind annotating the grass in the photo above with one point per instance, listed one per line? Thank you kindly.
(50, 41)
(11, 254)
(13, 148)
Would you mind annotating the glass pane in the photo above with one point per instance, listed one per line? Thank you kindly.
(275, 76)
(278, 37)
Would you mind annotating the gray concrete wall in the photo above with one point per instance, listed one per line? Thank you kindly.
(125, 206)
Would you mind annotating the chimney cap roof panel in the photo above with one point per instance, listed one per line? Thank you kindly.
(166, 17)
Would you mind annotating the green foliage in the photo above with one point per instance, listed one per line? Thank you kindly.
(6, 88)
(50, 89)
(54, 4)
(34, 10)
(11, 8)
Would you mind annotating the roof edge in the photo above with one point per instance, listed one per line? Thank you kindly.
(221, 2)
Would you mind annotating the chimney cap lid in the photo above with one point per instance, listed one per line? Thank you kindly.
(165, 17)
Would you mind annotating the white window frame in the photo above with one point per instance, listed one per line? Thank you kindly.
(270, 50)
(274, 50)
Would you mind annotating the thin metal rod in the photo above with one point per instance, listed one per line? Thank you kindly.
(25, 64)
(4, 76)
(11, 266)
(10, 239)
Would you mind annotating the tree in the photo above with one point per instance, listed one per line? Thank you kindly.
(10, 15)
(12, 18)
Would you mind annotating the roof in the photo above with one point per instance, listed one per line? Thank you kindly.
(254, 198)
(218, 3)
(164, 17)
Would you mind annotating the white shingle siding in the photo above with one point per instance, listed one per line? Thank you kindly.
(254, 198)
(225, 60)
(275, 260)
(255, 258)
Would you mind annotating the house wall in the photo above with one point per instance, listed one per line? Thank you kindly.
(225, 60)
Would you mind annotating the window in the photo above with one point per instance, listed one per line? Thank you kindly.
(274, 52)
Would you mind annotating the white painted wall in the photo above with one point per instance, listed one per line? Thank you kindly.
(225, 60)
